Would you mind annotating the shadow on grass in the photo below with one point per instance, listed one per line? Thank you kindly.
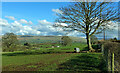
(28, 53)
(35, 52)
(84, 62)
(85, 49)
(95, 47)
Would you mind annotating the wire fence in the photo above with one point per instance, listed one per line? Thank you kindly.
(111, 54)
(117, 66)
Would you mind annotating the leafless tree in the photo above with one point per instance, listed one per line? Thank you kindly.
(87, 17)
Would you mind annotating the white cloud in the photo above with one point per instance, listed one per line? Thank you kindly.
(46, 26)
(62, 24)
(110, 24)
(24, 29)
(17, 28)
(3, 22)
(10, 17)
(16, 24)
(76, 33)
(113, 25)
(28, 30)
(57, 11)
(43, 27)
(111, 32)
(44, 22)
(30, 22)
(23, 21)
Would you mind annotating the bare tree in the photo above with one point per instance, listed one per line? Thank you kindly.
(87, 17)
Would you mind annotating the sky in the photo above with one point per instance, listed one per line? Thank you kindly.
(35, 18)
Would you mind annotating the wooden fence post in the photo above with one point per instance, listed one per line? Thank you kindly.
(102, 47)
(112, 62)
(109, 57)
(109, 60)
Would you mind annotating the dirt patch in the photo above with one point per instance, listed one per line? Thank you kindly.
(26, 67)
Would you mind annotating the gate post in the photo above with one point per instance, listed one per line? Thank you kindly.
(112, 62)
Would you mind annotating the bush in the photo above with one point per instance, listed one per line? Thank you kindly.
(9, 42)
(96, 46)
(27, 45)
(93, 39)
(66, 40)
(114, 48)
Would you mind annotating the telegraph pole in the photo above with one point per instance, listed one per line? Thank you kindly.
(103, 26)
(104, 33)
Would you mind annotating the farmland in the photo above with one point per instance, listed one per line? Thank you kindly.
(48, 58)
(60, 36)
(46, 39)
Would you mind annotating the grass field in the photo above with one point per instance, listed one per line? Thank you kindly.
(43, 49)
(60, 58)
(54, 62)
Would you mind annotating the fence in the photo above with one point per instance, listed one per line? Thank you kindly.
(111, 53)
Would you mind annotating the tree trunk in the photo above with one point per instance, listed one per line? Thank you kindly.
(89, 43)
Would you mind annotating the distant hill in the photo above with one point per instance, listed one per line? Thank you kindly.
(47, 39)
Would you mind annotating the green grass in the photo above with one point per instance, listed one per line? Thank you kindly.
(53, 62)
(84, 62)
(28, 59)
(53, 59)
(61, 49)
